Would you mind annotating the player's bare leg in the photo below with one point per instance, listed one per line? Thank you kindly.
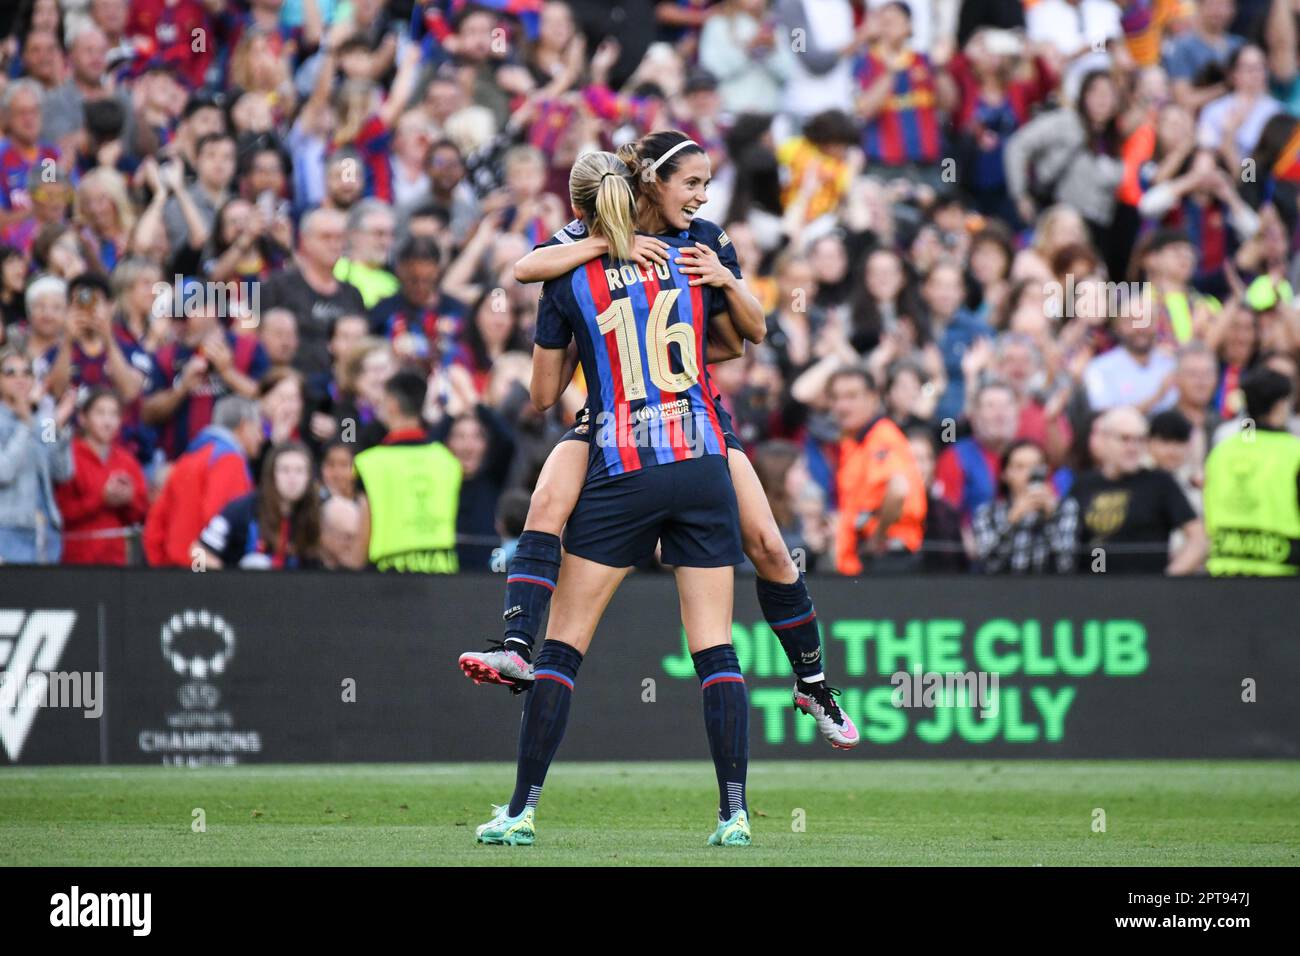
(707, 597)
(762, 540)
(558, 487)
(787, 607)
(584, 591)
(531, 578)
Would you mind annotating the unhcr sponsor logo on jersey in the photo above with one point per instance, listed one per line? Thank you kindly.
(643, 428)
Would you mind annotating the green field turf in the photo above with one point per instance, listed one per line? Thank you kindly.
(855, 812)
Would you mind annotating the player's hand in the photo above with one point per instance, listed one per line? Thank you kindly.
(703, 263)
(648, 252)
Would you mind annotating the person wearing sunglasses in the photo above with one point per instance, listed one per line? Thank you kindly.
(35, 453)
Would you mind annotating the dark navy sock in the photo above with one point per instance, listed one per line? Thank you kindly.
(726, 720)
(545, 716)
(788, 610)
(530, 582)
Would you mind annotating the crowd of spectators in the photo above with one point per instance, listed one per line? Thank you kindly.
(1019, 261)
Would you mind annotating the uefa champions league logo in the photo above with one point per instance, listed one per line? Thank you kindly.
(198, 644)
(183, 657)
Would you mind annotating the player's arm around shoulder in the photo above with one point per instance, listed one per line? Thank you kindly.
(564, 252)
(552, 260)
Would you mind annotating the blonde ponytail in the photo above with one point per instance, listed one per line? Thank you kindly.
(599, 186)
(616, 214)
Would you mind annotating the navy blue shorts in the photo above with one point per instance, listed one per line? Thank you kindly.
(581, 430)
(688, 506)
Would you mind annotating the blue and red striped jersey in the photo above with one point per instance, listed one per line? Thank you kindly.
(906, 130)
(641, 338)
(15, 166)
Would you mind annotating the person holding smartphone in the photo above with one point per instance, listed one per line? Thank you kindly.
(100, 352)
(1027, 529)
(35, 452)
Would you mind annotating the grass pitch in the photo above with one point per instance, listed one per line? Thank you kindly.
(852, 813)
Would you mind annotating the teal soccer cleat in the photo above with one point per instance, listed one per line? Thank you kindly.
(733, 832)
(505, 830)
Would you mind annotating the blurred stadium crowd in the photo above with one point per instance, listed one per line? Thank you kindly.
(1051, 242)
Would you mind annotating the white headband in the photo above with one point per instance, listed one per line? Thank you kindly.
(668, 155)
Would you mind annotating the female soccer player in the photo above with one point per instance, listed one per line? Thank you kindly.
(658, 475)
(669, 174)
